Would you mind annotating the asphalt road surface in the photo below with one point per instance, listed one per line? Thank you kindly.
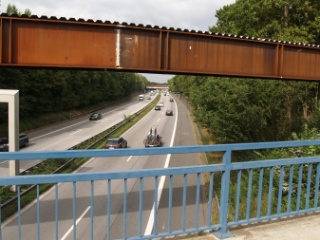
(67, 134)
(174, 130)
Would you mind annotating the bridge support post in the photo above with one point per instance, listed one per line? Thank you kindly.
(12, 98)
(224, 198)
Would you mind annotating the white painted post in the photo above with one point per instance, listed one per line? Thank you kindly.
(12, 98)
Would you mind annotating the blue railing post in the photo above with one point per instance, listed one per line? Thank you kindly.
(224, 197)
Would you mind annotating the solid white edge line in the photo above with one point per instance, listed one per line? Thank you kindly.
(129, 158)
(75, 132)
(150, 223)
(78, 220)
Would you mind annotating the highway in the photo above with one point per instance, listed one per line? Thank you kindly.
(171, 132)
(67, 134)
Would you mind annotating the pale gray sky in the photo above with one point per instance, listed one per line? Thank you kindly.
(184, 14)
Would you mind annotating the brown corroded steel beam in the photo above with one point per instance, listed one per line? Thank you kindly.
(60, 43)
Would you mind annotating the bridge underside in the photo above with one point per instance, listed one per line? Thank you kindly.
(60, 43)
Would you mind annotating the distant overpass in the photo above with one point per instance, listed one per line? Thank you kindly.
(162, 86)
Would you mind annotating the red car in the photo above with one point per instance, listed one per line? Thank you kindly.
(116, 143)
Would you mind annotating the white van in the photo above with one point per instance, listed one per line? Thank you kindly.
(141, 97)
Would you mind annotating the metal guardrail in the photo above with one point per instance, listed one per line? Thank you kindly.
(256, 186)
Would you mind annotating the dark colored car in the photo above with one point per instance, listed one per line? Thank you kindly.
(157, 107)
(169, 112)
(4, 145)
(95, 116)
(116, 143)
(153, 139)
(23, 142)
(171, 99)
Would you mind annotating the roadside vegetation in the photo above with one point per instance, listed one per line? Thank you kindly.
(48, 96)
(238, 110)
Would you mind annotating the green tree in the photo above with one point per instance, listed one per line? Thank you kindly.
(290, 20)
(48, 91)
(234, 110)
(181, 83)
(259, 110)
(12, 9)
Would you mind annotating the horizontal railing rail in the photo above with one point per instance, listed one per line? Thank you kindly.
(248, 192)
(156, 151)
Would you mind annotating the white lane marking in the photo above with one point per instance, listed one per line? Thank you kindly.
(150, 223)
(129, 159)
(35, 138)
(58, 130)
(75, 132)
(78, 220)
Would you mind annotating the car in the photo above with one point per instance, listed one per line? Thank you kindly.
(117, 142)
(157, 107)
(23, 142)
(153, 139)
(161, 104)
(169, 112)
(4, 146)
(171, 99)
(95, 116)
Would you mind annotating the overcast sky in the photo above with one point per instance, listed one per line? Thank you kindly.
(184, 14)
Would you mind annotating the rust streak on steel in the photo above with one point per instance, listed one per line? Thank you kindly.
(78, 44)
(276, 62)
(281, 61)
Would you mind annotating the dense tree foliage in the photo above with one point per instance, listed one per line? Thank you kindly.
(46, 91)
(291, 20)
(247, 110)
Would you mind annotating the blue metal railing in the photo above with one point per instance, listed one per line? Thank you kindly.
(249, 192)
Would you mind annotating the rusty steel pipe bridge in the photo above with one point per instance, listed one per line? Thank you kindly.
(43, 42)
